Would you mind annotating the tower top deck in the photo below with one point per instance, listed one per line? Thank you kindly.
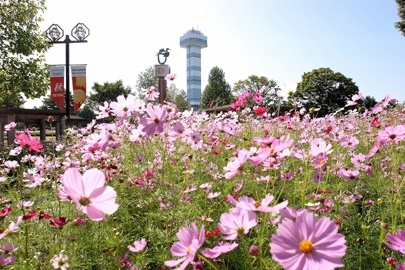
(193, 38)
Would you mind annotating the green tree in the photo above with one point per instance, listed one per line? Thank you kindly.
(401, 13)
(86, 112)
(106, 92)
(178, 97)
(367, 102)
(49, 104)
(253, 84)
(146, 79)
(23, 72)
(325, 89)
(217, 90)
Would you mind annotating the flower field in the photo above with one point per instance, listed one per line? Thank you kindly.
(245, 189)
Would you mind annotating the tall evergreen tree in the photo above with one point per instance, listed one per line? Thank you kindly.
(217, 90)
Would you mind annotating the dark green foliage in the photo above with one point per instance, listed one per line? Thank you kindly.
(177, 97)
(325, 89)
(367, 102)
(107, 92)
(22, 46)
(146, 79)
(253, 84)
(401, 13)
(49, 104)
(217, 90)
(86, 112)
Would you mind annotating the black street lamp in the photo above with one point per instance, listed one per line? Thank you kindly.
(54, 33)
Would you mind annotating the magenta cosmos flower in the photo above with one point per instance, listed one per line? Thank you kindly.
(250, 204)
(154, 123)
(190, 242)
(397, 240)
(308, 243)
(89, 193)
(31, 143)
(236, 222)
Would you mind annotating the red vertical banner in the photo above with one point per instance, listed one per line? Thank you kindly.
(57, 85)
(79, 85)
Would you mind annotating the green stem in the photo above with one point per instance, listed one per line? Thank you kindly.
(247, 250)
(207, 261)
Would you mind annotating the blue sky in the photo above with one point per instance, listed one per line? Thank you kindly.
(277, 39)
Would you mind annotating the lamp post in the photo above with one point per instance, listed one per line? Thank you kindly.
(54, 33)
(161, 71)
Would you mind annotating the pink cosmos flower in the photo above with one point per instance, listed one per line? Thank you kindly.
(308, 243)
(237, 164)
(12, 227)
(10, 126)
(89, 193)
(138, 246)
(236, 222)
(170, 77)
(221, 248)
(380, 106)
(205, 218)
(103, 111)
(190, 242)
(354, 100)
(320, 161)
(155, 122)
(59, 261)
(250, 204)
(150, 94)
(397, 240)
(124, 107)
(318, 146)
(213, 195)
(392, 134)
(8, 248)
(6, 261)
(32, 143)
(349, 142)
(349, 174)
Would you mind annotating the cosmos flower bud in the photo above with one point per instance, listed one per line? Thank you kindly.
(385, 225)
(254, 251)
(391, 261)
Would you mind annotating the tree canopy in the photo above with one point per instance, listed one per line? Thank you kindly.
(325, 89)
(49, 104)
(178, 97)
(23, 72)
(253, 84)
(217, 90)
(106, 92)
(401, 13)
(146, 79)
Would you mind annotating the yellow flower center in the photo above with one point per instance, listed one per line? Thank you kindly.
(272, 150)
(306, 246)
(188, 250)
(257, 204)
(322, 161)
(6, 231)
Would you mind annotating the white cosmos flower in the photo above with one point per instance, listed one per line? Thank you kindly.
(287, 89)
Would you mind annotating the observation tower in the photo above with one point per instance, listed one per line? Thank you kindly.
(193, 41)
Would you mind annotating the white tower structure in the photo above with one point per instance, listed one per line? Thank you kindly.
(193, 41)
